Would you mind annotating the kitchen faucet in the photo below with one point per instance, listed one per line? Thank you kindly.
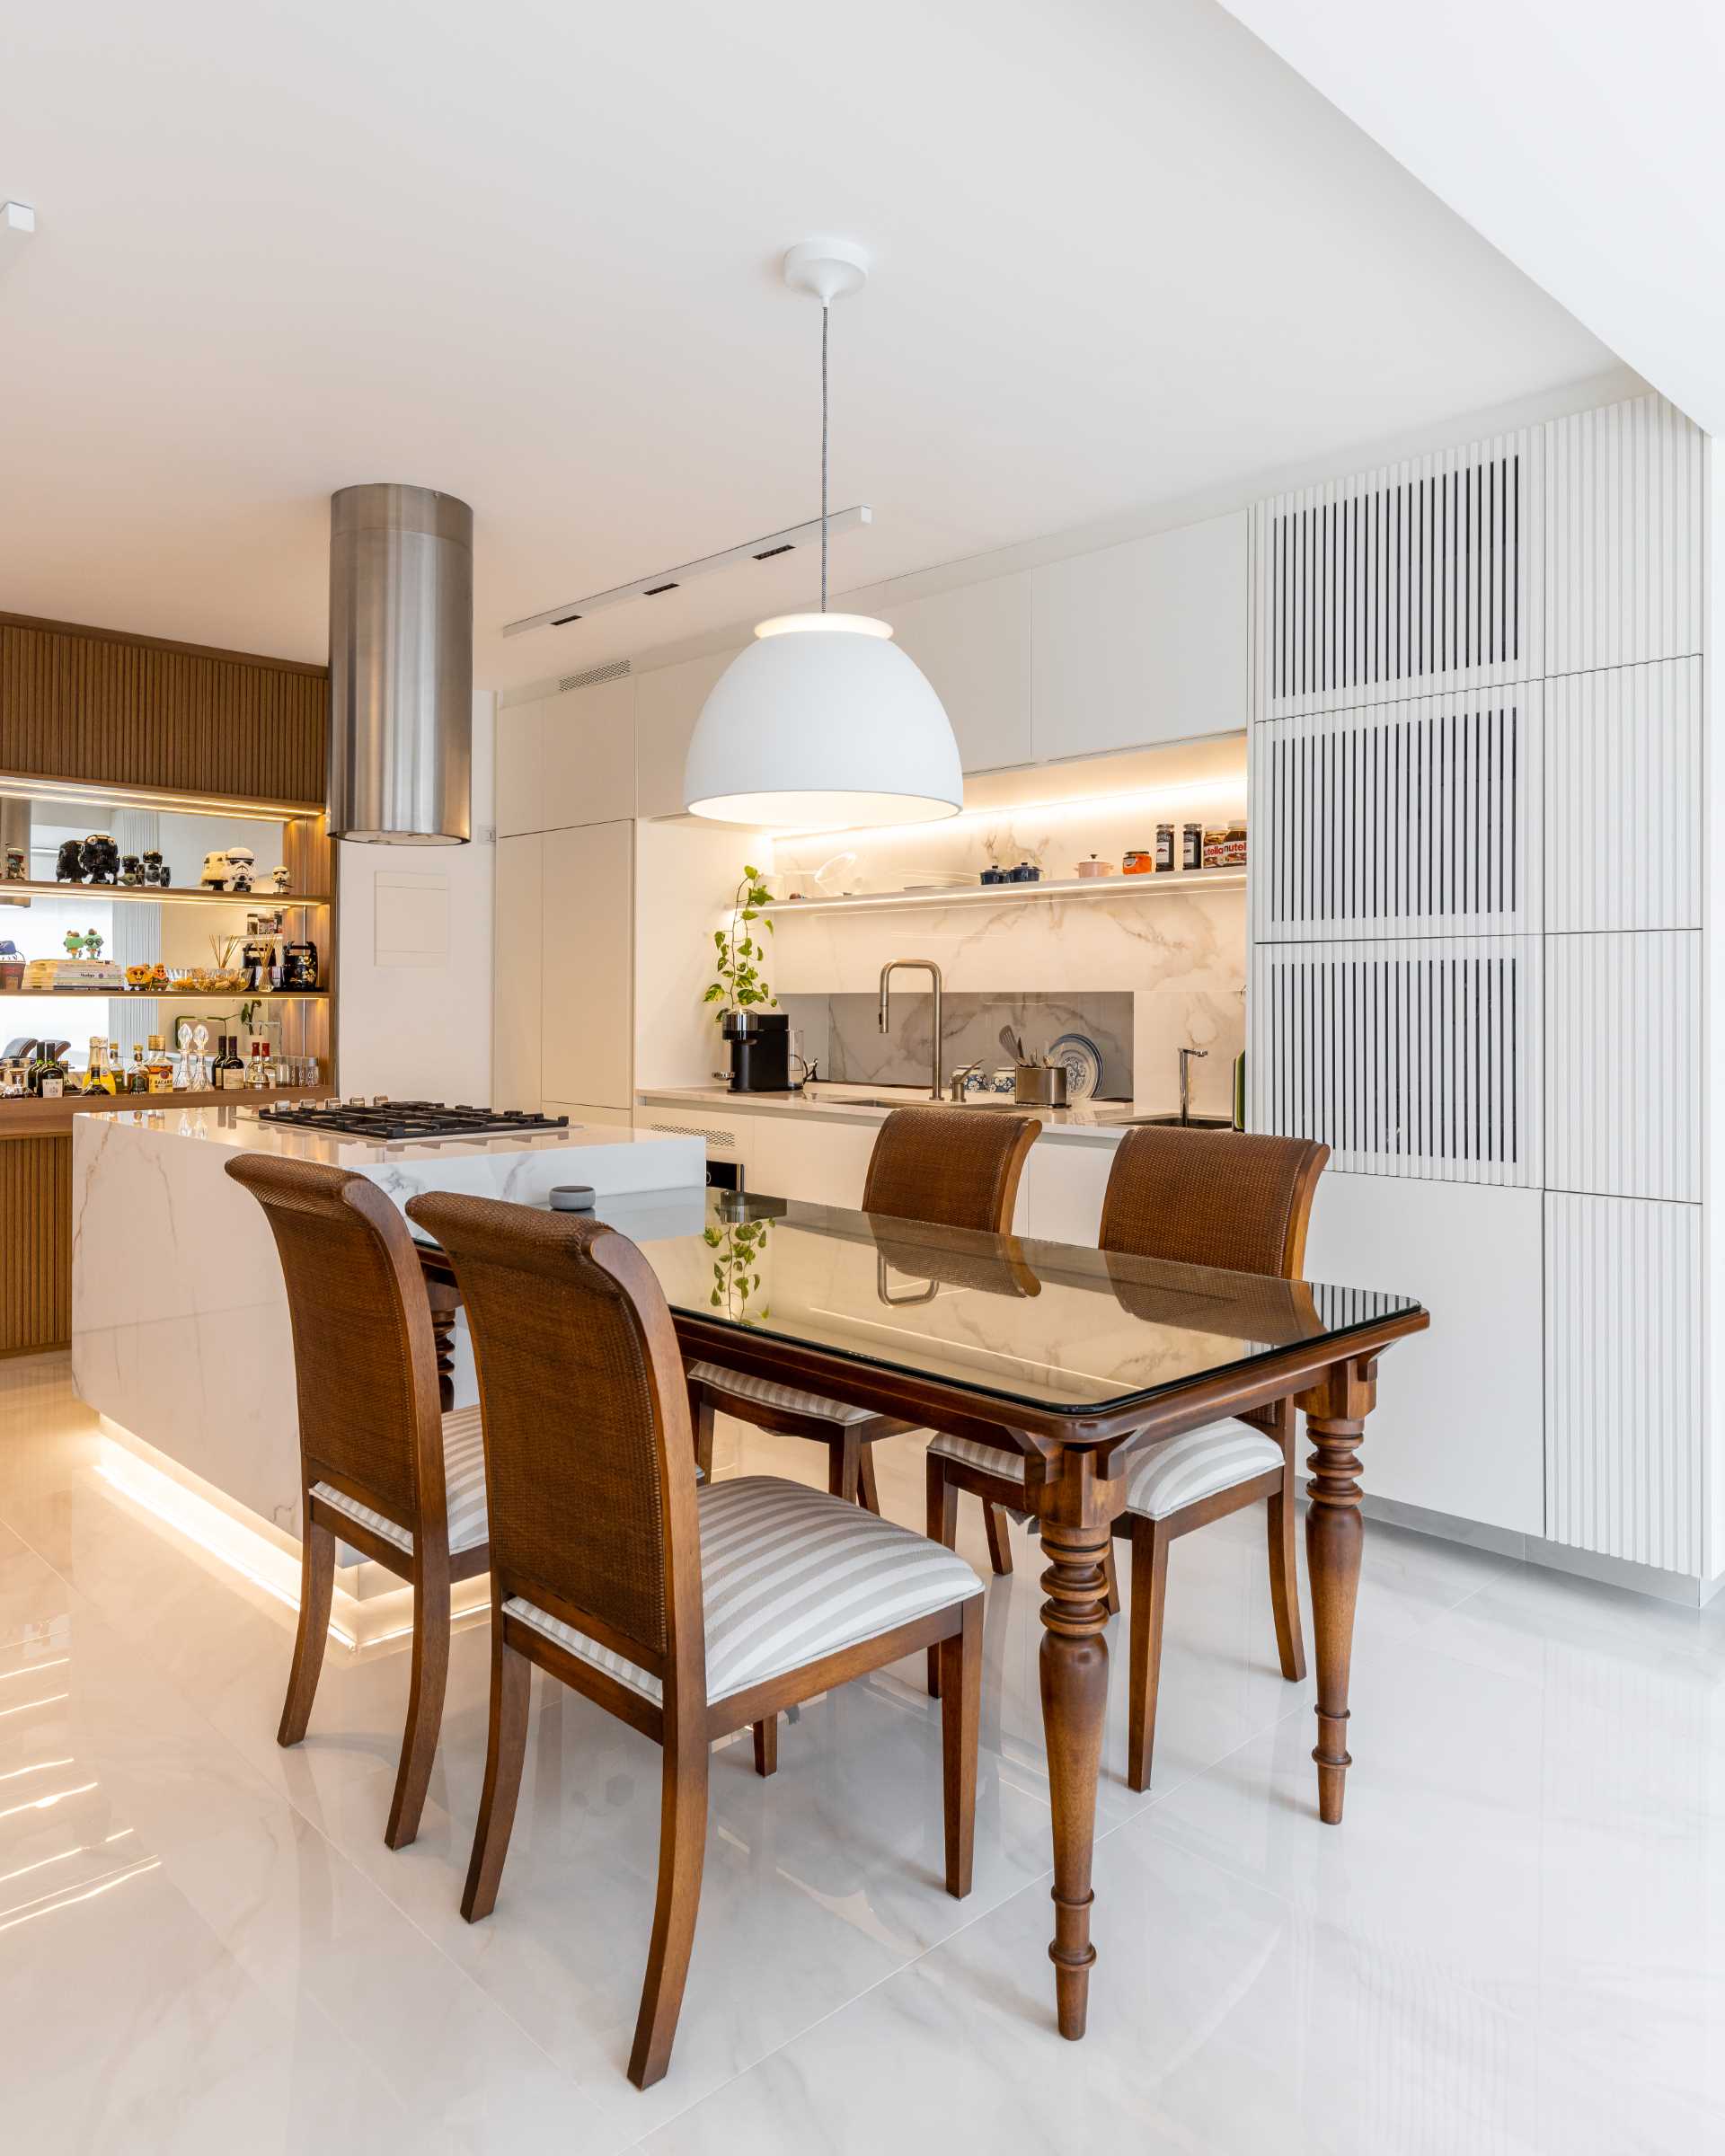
(933, 972)
(1186, 1056)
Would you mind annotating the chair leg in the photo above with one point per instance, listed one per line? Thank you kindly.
(844, 1467)
(961, 1722)
(1112, 1579)
(766, 1746)
(1000, 1540)
(1285, 1579)
(943, 1527)
(506, 1750)
(703, 1415)
(1149, 1594)
(316, 1592)
(681, 1852)
(425, 1690)
(867, 1495)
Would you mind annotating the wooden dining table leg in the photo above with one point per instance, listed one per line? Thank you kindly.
(1074, 1668)
(1335, 1422)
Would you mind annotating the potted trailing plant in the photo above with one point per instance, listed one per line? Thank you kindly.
(740, 985)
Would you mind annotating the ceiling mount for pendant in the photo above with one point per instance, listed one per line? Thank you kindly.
(829, 269)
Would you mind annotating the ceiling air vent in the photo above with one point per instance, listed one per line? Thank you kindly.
(616, 671)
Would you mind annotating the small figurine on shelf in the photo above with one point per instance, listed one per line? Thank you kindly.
(101, 858)
(68, 866)
(73, 944)
(93, 941)
(129, 870)
(155, 872)
(240, 861)
(282, 880)
(17, 864)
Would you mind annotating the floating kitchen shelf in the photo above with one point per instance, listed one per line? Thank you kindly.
(174, 995)
(1169, 885)
(153, 894)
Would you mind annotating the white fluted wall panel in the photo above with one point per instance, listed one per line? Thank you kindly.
(1417, 1056)
(1622, 1064)
(1623, 798)
(1624, 529)
(1400, 819)
(1421, 577)
(1622, 1379)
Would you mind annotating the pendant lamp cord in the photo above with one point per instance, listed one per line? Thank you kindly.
(826, 314)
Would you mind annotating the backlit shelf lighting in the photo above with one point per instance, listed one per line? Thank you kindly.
(85, 793)
(152, 894)
(1224, 794)
(1166, 886)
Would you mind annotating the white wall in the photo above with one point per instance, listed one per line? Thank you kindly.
(413, 956)
(685, 877)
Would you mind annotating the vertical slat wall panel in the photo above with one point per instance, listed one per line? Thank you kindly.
(1415, 1057)
(1624, 559)
(1423, 577)
(1623, 798)
(1622, 1064)
(77, 704)
(36, 1246)
(1622, 1379)
(1400, 819)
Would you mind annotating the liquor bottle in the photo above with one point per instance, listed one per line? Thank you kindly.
(157, 1069)
(100, 1078)
(227, 1072)
(47, 1073)
(137, 1078)
(257, 1064)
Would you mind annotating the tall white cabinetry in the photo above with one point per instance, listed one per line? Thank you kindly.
(1478, 951)
(563, 971)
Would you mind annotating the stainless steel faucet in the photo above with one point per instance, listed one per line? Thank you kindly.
(1186, 1056)
(928, 967)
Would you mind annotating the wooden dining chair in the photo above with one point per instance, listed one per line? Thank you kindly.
(688, 1611)
(1223, 1199)
(950, 1167)
(381, 1467)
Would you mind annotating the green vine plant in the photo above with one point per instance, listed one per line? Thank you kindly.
(736, 1268)
(740, 985)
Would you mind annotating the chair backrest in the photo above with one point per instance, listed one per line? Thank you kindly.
(1227, 1198)
(590, 1458)
(957, 1167)
(364, 1362)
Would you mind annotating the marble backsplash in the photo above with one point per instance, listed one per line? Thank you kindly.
(840, 1032)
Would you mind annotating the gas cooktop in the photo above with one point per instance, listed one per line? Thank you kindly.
(391, 1121)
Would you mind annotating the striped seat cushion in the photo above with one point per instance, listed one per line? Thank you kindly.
(776, 1396)
(788, 1574)
(1162, 1476)
(464, 1488)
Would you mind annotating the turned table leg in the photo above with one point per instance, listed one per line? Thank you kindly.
(444, 1303)
(1074, 1701)
(1335, 1422)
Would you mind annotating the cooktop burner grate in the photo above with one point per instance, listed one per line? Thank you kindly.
(388, 1122)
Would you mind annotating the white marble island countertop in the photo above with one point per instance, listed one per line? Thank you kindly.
(1098, 1122)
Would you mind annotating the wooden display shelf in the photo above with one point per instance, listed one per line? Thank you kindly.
(31, 1118)
(172, 994)
(1168, 885)
(144, 894)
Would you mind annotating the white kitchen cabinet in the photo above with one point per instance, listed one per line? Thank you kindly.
(1140, 643)
(974, 645)
(588, 756)
(587, 1036)
(667, 702)
(520, 768)
(1459, 1422)
(583, 1112)
(1060, 1198)
(728, 1138)
(821, 1162)
(517, 992)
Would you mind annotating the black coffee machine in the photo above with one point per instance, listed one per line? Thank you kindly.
(760, 1051)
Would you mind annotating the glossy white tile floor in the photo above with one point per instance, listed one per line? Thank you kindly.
(1515, 1943)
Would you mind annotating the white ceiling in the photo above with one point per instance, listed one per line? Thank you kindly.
(527, 252)
(1582, 136)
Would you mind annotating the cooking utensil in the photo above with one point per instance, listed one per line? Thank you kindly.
(1012, 1044)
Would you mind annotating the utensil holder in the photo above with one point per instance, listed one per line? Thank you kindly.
(1039, 1085)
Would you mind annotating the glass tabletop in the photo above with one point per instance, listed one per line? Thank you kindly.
(1050, 1325)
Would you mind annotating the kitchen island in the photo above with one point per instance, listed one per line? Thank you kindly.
(179, 1327)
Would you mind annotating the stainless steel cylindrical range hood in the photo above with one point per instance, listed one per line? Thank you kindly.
(401, 665)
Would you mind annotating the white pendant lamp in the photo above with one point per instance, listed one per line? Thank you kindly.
(823, 719)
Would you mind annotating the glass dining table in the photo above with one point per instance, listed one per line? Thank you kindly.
(1063, 1356)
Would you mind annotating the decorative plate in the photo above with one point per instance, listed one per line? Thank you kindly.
(1083, 1060)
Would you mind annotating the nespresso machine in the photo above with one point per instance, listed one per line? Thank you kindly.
(760, 1051)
